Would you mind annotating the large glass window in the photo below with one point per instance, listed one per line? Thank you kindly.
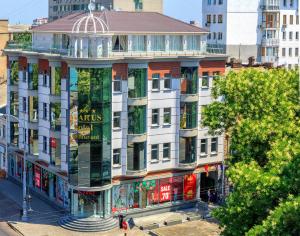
(33, 142)
(187, 150)
(33, 109)
(14, 103)
(188, 115)
(14, 73)
(33, 76)
(90, 126)
(137, 83)
(55, 87)
(55, 151)
(176, 43)
(136, 156)
(193, 42)
(55, 116)
(136, 119)
(189, 81)
(158, 43)
(139, 43)
(119, 43)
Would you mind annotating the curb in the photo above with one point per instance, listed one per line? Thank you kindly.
(10, 224)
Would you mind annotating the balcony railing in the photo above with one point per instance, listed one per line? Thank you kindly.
(270, 42)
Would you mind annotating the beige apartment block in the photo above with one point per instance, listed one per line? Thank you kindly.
(60, 8)
(4, 37)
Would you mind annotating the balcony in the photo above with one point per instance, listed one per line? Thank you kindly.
(270, 5)
(270, 42)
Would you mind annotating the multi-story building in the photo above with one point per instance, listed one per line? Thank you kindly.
(3, 162)
(3, 41)
(60, 8)
(267, 30)
(111, 118)
(39, 21)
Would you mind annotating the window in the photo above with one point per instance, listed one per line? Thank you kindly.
(283, 35)
(297, 20)
(283, 52)
(290, 52)
(138, 5)
(167, 81)
(208, 2)
(166, 150)
(117, 84)
(291, 36)
(119, 43)
(45, 144)
(291, 3)
(208, 19)
(176, 43)
(284, 3)
(158, 43)
(209, 36)
(284, 20)
(117, 119)
(220, 2)
(220, 19)
(167, 116)
(117, 156)
(193, 42)
(155, 82)
(155, 117)
(24, 104)
(291, 19)
(24, 74)
(296, 52)
(297, 35)
(214, 35)
(220, 36)
(45, 111)
(203, 147)
(214, 145)
(205, 80)
(45, 79)
(214, 19)
(139, 43)
(154, 152)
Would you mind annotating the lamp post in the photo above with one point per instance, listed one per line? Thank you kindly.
(24, 205)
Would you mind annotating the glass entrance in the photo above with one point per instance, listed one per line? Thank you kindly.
(91, 204)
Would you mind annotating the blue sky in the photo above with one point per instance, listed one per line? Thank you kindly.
(24, 11)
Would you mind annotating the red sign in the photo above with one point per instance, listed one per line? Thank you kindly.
(53, 142)
(189, 187)
(37, 176)
(165, 192)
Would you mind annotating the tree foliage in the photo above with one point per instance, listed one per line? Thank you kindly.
(259, 110)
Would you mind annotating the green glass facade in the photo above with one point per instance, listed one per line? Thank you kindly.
(137, 83)
(188, 115)
(137, 119)
(14, 73)
(189, 83)
(187, 150)
(33, 76)
(90, 127)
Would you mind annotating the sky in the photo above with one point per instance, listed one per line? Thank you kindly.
(24, 11)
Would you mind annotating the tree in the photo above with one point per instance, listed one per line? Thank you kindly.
(259, 111)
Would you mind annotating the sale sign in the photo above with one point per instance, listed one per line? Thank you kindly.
(37, 176)
(189, 187)
(165, 192)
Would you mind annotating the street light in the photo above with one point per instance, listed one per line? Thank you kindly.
(24, 205)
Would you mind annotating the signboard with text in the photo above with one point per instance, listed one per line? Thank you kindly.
(165, 192)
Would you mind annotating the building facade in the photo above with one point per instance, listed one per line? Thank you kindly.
(3, 162)
(267, 30)
(39, 21)
(112, 117)
(60, 8)
(3, 41)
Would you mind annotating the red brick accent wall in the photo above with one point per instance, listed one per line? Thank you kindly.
(64, 70)
(22, 63)
(43, 66)
(212, 66)
(120, 69)
(163, 68)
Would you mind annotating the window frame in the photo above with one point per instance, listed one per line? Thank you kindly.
(45, 144)
(155, 78)
(214, 141)
(116, 152)
(154, 115)
(117, 80)
(117, 117)
(169, 151)
(167, 112)
(205, 75)
(202, 154)
(155, 149)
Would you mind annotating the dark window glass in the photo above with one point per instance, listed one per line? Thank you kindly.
(166, 150)
(167, 116)
(203, 148)
(117, 156)
(117, 119)
(155, 116)
(154, 152)
(155, 82)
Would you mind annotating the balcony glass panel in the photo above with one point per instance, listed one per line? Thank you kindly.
(14, 103)
(189, 81)
(136, 156)
(33, 142)
(137, 120)
(188, 115)
(139, 43)
(193, 42)
(55, 116)
(137, 83)
(158, 43)
(33, 75)
(55, 88)
(33, 109)
(14, 73)
(176, 43)
(187, 150)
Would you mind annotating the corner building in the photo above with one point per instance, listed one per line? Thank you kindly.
(109, 105)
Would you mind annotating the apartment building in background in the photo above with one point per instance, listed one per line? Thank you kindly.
(111, 119)
(59, 8)
(4, 37)
(267, 30)
(39, 21)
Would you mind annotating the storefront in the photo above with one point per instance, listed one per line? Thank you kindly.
(148, 193)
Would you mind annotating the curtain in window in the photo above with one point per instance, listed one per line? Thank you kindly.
(138, 43)
(175, 43)
(157, 43)
(193, 42)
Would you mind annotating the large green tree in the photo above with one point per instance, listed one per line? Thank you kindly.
(259, 111)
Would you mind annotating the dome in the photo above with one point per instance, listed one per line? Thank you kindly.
(90, 24)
